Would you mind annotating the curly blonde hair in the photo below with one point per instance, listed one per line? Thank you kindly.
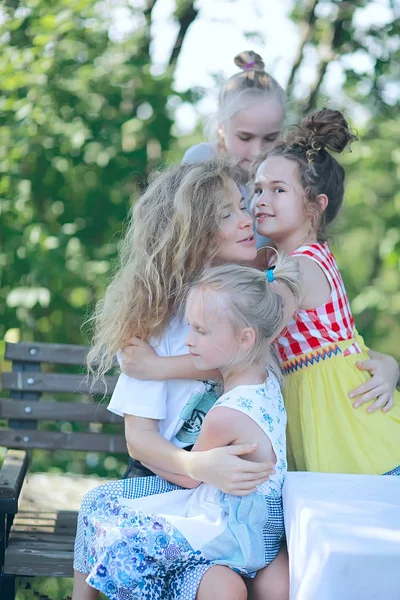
(171, 237)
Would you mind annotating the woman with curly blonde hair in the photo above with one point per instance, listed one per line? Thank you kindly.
(190, 217)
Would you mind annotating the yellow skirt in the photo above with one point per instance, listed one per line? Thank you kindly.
(324, 432)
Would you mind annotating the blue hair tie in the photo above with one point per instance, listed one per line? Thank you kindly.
(270, 274)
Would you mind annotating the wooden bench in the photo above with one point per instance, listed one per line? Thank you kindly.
(37, 531)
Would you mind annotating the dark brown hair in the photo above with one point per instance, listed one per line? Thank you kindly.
(309, 144)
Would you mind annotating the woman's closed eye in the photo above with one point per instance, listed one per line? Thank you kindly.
(271, 138)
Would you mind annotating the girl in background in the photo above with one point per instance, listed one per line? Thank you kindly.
(299, 190)
(250, 115)
(233, 315)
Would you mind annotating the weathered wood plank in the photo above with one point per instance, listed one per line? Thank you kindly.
(55, 544)
(39, 563)
(12, 475)
(48, 549)
(90, 412)
(40, 352)
(56, 382)
(54, 440)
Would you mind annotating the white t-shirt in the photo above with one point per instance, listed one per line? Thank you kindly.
(179, 405)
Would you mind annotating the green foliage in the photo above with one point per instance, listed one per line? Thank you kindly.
(368, 235)
(367, 239)
(82, 120)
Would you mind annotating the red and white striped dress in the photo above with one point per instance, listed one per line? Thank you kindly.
(318, 350)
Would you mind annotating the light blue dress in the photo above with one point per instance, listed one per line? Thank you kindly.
(205, 151)
(150, 539)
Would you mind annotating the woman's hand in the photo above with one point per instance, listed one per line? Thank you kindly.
(138, 359)
(224, 469)
(385, 373)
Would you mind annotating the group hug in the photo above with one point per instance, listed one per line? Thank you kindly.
(239, 360)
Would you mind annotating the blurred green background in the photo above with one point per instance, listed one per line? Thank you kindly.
(87, 109)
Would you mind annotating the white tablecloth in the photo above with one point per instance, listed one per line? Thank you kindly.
(343, 534)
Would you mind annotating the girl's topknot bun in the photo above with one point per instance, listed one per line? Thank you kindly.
(249, 60)
(327, 129)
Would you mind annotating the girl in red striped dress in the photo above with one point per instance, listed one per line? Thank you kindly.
(298, 191)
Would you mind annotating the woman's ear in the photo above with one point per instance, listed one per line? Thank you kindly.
(247, 338)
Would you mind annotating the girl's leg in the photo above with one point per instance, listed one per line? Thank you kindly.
(221, 583)
(272, 582)
(83, 591)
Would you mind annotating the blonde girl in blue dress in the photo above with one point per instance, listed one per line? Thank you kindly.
(139, 544)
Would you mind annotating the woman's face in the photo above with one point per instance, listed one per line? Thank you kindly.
(253, 129)
(235, 235)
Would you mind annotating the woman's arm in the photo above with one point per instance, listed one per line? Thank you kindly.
(139, 360)
(219, 466)
(384, 377)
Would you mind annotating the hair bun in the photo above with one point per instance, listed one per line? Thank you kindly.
(328, 129)
(249, 60)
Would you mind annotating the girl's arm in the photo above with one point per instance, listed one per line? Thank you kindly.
(384, 369)
(219, 466)
(141, 361)
(384, 377)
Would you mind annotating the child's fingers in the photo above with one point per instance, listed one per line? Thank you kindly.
(388, 405)
(257, 469)
(362, 389)
(252, 477)
(133, 341)
(366, 365)
(380, 402)
(239, 449)
(374, 394)
(246, 489)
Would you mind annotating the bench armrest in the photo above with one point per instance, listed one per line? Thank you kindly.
(12, 474)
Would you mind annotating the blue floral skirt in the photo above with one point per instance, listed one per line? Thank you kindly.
(131, 554)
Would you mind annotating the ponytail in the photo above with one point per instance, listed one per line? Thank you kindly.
(255, 303)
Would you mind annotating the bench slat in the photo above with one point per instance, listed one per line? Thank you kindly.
(48, 562)
(67, 354)
(54, 440)
(56, 382)
(57, 411)
(46, 525)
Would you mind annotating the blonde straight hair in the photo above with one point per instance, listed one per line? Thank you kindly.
(254, 302)
(171, 237)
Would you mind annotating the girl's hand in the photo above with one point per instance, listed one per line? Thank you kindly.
(138, 359)
(224, 469)
(385, 374)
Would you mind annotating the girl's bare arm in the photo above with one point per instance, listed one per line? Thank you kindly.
(218, 466)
